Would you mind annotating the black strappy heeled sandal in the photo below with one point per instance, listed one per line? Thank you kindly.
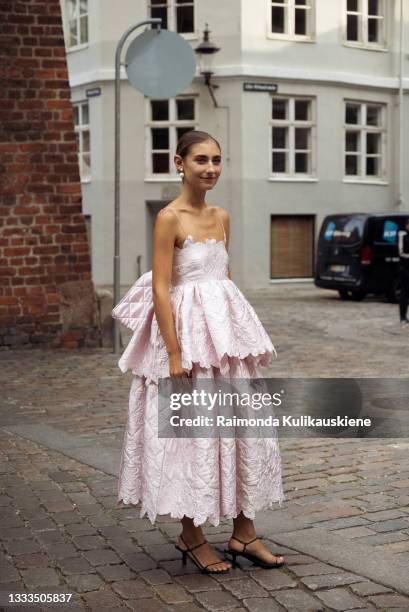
(256, 560)
(187, 552)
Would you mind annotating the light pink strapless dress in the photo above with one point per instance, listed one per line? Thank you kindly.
(220, 336)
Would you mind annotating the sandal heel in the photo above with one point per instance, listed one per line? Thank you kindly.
(233, 555)
(253, 558)
(203, 568)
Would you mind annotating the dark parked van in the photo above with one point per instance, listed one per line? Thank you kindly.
(358, 254)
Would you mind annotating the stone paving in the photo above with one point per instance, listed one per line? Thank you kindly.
(344, 527)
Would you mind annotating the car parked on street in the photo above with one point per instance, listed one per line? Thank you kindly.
(358, 254)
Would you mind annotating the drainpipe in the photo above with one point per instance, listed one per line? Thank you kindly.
(401, 199)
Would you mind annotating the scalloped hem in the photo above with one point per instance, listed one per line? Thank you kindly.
(262, 358)
(200, 520)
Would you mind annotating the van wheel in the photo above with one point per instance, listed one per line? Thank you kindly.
(357, 296)
(343, 294)
(394, 292)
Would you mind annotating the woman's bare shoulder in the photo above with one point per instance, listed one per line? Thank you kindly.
(166, 219)
(223, 213)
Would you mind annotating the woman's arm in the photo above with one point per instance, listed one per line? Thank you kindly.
(163, 245)
(226, 222)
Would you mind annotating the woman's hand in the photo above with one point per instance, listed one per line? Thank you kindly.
(175, 366)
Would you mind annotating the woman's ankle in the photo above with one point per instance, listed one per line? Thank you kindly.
(192, 534)
(244, 535)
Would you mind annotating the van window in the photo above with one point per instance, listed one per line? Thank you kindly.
(384, 230)
(343, 230)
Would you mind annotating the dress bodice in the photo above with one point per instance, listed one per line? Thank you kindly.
(213, 320)
(199, 261)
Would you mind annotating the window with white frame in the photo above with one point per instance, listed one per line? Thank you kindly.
(292, 136)
(177, 15)
(364, 140)
(82, 132)
(293, 18)
(365, 22)
(77, 22)
(168, 120)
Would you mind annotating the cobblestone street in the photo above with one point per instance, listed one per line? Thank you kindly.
(344, 527)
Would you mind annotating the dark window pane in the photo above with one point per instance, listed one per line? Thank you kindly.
(72, 9)
(372, 166)
(352, 27)
(160, 163)
(277, 19)
(73, 34)
(372, 143)
(185, 109)
(160, 110)
(86, 141)
(162, 13)
(302, 138)
(373, 30)
(280, 137)
(373, 114)
(279, 162)
(184, 19)
(279, 108)
(182, 130)
(373, 7)
(85, 114)
(352, 141)
(351, 165)
(301, 162)
(302, 110)
(352, 114)
(160, 138)
(300, 2)
(301, 22)
(352, 5)
(86, 164)
(84, 29)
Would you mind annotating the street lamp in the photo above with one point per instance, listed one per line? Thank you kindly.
(206, 51)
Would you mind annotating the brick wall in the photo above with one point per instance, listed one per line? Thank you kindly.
(44, 253)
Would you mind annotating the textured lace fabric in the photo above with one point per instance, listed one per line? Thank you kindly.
(220, 335)
(200, 261)
(213, 319)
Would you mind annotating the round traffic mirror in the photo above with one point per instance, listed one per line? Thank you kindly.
(160, 64)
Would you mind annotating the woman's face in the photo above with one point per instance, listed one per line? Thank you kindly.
(202, 165)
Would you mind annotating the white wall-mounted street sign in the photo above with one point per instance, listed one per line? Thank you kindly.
(93, 92)
(272, 87)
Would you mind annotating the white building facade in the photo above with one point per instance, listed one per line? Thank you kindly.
(312, 116)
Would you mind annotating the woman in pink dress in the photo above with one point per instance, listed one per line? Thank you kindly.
(190, 319)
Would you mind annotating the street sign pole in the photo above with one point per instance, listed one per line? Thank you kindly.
(117, 262)
(160, 64)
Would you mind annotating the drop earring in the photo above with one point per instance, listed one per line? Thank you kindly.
(181, 174)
